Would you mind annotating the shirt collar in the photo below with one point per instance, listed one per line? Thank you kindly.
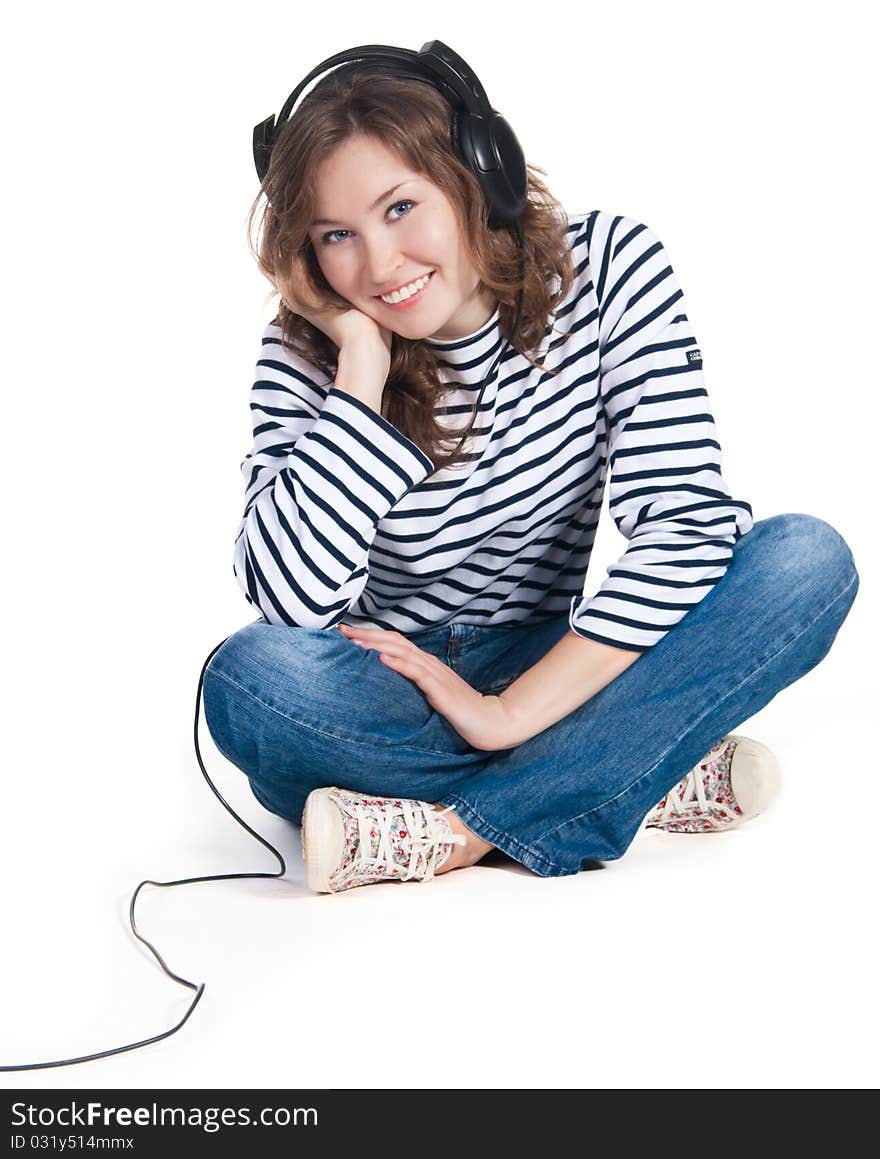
(469, 358)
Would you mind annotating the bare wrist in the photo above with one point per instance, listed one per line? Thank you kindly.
(362, 372)
(512, 729)
(368, 352)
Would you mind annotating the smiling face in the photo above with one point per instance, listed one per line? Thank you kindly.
(379, 226)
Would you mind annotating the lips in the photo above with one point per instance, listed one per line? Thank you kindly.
(429, 275)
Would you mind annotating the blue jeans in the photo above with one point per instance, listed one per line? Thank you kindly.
(299, 708)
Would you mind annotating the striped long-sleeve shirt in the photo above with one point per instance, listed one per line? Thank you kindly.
(346, 520)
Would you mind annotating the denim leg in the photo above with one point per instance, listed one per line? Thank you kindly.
(580, 789)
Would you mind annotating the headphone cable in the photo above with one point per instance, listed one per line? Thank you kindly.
(198, 987)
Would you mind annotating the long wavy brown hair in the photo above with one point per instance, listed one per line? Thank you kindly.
(412, 119)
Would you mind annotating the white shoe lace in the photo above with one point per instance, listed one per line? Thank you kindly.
(424, 837)
(681, 800)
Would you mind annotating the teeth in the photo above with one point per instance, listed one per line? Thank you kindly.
(406, 292)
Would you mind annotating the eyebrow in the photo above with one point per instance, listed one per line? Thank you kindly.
(376, 203)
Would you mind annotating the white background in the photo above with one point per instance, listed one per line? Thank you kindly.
(745, 139)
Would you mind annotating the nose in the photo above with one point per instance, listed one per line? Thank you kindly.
(382, 260)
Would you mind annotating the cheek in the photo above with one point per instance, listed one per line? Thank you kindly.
(445, 237)
(335, 270)
(438, 242)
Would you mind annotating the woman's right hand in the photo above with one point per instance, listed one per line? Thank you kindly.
(344, 327)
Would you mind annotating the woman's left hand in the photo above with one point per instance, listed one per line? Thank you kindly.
(482, 721)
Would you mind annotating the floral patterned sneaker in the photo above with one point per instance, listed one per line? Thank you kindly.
(736, 780)
(354, 839)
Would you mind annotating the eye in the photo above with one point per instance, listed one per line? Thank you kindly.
(397, 203)
(326, 237)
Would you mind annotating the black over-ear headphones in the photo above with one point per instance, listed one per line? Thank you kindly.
(482, 139)
(486, 145)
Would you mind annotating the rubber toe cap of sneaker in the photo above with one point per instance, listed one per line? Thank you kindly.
(755, 776)
(323, 839)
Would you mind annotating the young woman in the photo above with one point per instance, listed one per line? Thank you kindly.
(428, 678)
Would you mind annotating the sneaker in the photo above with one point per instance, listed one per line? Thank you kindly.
(736, 780)
(354, 839)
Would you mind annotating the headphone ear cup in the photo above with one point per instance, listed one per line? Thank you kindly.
(264, 138)
(490, 150)
(513, 163)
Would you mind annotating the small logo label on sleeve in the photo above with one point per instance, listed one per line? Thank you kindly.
(695, 358)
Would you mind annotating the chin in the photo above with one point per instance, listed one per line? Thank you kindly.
(413, 328)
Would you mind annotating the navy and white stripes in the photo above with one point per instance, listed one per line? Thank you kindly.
(346, 520)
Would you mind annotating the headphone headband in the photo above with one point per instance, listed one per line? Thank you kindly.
(481, 138)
